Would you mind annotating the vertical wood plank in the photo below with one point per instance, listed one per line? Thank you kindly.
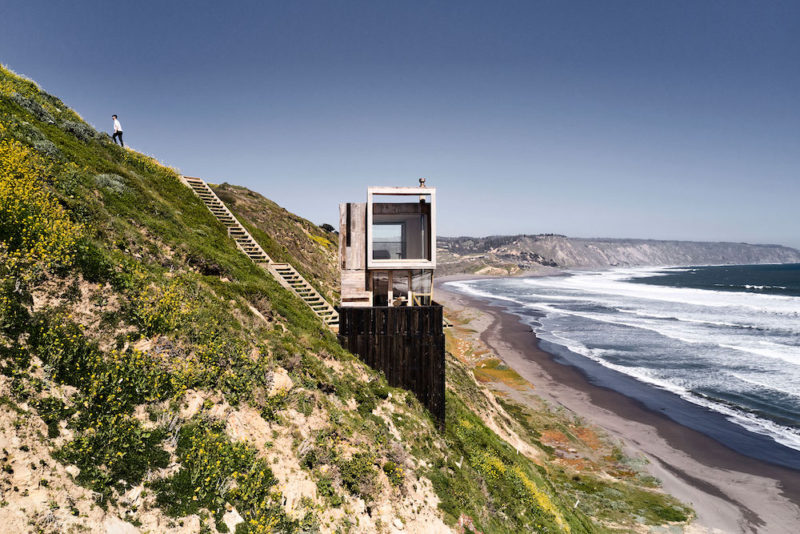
(405, 343)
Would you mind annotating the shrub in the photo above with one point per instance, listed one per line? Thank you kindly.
(95, 265)
(82, 131)
(359, 475)
(112, 182)
(52, 410)
(366, 400)
(35, 232)
(159, 309)
(117, 448)
(111, 384)
(326, 490)
(214, 470)
(33, 107)
(394, 472)
(46, 148)
(273, 405)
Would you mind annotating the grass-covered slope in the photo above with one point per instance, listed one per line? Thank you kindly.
(286, 237)
(153, 379)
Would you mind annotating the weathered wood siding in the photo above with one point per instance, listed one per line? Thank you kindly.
(352, 254)
(406, 343)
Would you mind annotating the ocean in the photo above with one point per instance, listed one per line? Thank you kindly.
(715, 348)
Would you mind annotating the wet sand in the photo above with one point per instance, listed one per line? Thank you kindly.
(729, 491)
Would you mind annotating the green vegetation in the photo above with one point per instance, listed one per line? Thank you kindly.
(215, 471)
(122, 301)
(630, 495)
(285, 237)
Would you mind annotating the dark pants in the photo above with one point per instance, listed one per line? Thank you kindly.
(114, 138)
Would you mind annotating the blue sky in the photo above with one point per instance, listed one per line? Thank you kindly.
(673, 120)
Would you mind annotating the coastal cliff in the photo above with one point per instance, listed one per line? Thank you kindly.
(520, 253)
(154, 379)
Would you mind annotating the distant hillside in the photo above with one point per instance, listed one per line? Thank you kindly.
(519, 253)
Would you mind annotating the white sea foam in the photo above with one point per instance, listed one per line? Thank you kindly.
(615, 284)
(773, 385)
(470, 289)
(675, 338)
(790, 437)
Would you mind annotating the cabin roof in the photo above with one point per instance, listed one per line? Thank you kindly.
(401, 190)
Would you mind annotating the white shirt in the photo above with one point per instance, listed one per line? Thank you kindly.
(117, 126)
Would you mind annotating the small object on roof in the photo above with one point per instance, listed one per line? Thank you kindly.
(422, 182)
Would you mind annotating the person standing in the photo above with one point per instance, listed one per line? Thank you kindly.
(117, 131)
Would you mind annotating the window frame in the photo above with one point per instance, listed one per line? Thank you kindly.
(414, 263)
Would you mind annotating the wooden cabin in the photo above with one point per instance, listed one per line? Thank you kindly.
(387, 247)
(387, 316)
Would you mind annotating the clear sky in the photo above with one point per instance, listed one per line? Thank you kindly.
(652, 119)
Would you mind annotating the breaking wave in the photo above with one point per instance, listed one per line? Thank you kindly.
(734, 352)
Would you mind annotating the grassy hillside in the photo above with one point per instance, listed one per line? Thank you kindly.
(286, 237)
(155, 380)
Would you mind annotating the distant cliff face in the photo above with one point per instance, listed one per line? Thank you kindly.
(514, 254)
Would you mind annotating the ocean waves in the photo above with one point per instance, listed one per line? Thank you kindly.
(736, 353)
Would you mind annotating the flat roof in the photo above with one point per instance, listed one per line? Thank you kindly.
(401, 190)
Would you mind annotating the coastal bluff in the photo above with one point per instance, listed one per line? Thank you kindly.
(515, 254)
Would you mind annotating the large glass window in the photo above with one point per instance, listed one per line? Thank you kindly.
(389, 241)
(380, 288)
(422, 287)
(401, 236)
(400, 280)
(401, 227)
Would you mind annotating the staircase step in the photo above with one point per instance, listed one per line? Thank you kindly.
(254, 251)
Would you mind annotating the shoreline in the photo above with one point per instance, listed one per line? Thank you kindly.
(730, 491)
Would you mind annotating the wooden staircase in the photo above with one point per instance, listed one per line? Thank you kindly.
(284, 273)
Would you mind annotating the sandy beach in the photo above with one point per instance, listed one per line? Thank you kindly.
(730, 492)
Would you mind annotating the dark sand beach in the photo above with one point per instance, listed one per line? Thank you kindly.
(730, 492)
